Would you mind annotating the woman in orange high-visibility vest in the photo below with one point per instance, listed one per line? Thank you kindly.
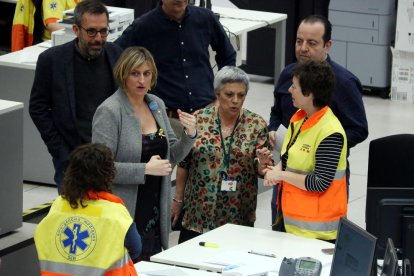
(311, 172)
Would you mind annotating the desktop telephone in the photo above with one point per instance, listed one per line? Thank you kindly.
(304, 266)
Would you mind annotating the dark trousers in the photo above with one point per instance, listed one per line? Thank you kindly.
(60, 168)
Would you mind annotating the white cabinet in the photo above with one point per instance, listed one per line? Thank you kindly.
(11, 166)
(404, 37)
(362, 31)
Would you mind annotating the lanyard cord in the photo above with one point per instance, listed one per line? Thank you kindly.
(292, 141)
(223, 145)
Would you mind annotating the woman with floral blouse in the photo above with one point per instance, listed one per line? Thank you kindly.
(220, 183)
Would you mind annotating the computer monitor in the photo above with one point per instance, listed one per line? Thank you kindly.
(390, 194)
(390, 214)
(354, 250)
(390, 265)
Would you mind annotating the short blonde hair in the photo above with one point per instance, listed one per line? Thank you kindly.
(131, 58)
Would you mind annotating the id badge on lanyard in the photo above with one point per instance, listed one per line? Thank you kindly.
(227, 184)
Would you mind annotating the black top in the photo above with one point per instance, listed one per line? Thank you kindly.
(147, 212)
(93, 84)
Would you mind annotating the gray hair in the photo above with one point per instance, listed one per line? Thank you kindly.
(230, 74)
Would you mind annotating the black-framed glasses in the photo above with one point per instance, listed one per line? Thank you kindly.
(93, 32)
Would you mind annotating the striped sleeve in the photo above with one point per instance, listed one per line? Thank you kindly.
(327, 159)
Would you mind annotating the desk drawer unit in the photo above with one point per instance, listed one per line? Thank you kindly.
(362, 34)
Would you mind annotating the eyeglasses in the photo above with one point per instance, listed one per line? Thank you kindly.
(93, 32)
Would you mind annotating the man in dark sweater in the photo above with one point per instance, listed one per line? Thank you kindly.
(71, 81)
(178, 36)
(313, 42)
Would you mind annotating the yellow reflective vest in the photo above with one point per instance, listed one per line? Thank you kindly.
(53, 11)
(23, 25)
(305, 213)
(84, 241)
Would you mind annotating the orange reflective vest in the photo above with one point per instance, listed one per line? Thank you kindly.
(23, 25)
(84, 241)
(305, 213)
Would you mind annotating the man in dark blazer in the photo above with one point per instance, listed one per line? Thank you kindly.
(71, 81)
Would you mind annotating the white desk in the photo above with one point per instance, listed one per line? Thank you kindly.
(149, 268)
(240, 22)
(11, 166)
(8, 106)
(9, 1)
(17, 71)
(232, 237)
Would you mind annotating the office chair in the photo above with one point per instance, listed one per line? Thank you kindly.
(391, 161)
(390, 180)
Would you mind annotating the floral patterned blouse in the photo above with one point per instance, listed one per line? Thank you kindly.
(207, 206)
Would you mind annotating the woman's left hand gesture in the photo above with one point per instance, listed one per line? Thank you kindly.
(188, 121)
(272, 175)
(264, 156)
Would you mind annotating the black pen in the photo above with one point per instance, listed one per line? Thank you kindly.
(262, 254)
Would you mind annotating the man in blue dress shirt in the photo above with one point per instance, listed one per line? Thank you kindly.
(313, 42)
(178, 36)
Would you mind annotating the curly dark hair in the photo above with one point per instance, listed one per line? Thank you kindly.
(91, 169)
(316, 77)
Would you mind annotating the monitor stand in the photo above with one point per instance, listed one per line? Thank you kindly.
(406, 269)
(408, 237)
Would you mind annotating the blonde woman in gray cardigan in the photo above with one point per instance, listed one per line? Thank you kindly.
(135, 126)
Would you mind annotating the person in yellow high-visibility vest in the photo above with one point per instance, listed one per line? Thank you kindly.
(312, 195)
(23, 25)
(52, 12)
(25, 21)
(88, 230)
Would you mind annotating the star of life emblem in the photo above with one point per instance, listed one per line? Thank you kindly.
(76, 238)
(53, 5)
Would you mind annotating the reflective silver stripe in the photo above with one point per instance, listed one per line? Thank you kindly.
(339, 174)
(313, 226)
(121, 263)
(70, 268)
(79, 269)
(298, 171)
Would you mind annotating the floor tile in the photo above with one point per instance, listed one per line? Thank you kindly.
(37, 196)
(28, 187)
(358, 187)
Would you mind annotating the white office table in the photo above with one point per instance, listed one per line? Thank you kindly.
(9, 1)
(232, 237)
(240, 22)
(150, 268)
(8, 106)
(17, 71)
(11, 166)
